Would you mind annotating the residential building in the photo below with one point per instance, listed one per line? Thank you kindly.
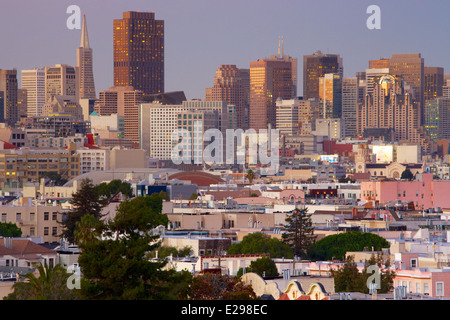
(24, 165)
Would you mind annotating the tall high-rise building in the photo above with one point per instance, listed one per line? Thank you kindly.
(350, 91)
(433, 83)
(287, 116)
(390, 107)
(123, 101)
(157, 122)
(330, 92)
(287, 58)
(85, 65)
(315, 66)
(61, 80)
(139, 52)
(410, 67)
(229, 87)
(308, 112)
(437, 120)
(34, 82)
(8, 99)
(270, 79)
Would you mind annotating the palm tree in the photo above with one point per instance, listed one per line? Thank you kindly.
(250, 175)
(49, 284)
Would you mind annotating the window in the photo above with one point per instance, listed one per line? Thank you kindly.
(18, 217)
(45, 231)
(3, 217)
(54, 214)
(439, 289)
(426, 289)
(54, 231)
(413, 263)
(32, 216)
(32, 232)
(46, 216)
(418, 287)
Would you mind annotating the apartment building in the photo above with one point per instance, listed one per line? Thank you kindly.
(35, 220)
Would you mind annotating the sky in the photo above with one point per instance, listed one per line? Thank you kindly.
(201, 35)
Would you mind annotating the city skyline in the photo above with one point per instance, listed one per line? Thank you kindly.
(202, 35)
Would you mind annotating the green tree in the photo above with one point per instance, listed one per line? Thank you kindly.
(260, 243)
(113, 187)
(299, 233)
(117, 265)
(164, 195)
(9, 229)
(49, 284)
(85, 201)
(193, 196)
(348, 278)
(165, 251)
(337, 245)
(264, 266)
(211, 286)
(55, 177)
(250, 176)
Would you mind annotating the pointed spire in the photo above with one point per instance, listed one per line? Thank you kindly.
(282, 47)
(84, 41)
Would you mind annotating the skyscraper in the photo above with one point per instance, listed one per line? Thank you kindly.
(8, 99)
(270, 79)
(123, 101)
(34, 82)
(391, 107)
(410, 67)
(229, 87)
(139, 52)
(350, 90)
(330, 92)
(433, 82)
(61, 80)
(84, 64)
(315, 66)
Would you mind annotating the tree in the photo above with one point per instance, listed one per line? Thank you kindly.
(212, 286)
(260, 243)
(50, 284)
(86, 201)
(164, 195)
(407, 175)
(55, 177)
(9, 229)
(337, 245)
(299, 233)
(114, 186)
(250, 176)
(165, 251)
(348, 278)
(116, 261)
(265, 267)
(193, 196)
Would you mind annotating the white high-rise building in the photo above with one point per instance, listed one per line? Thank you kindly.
(34, 82)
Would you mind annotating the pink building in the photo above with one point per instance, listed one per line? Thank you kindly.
(424, 192)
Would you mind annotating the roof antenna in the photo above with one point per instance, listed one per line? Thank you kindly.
(282, 47)
(278, 46)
